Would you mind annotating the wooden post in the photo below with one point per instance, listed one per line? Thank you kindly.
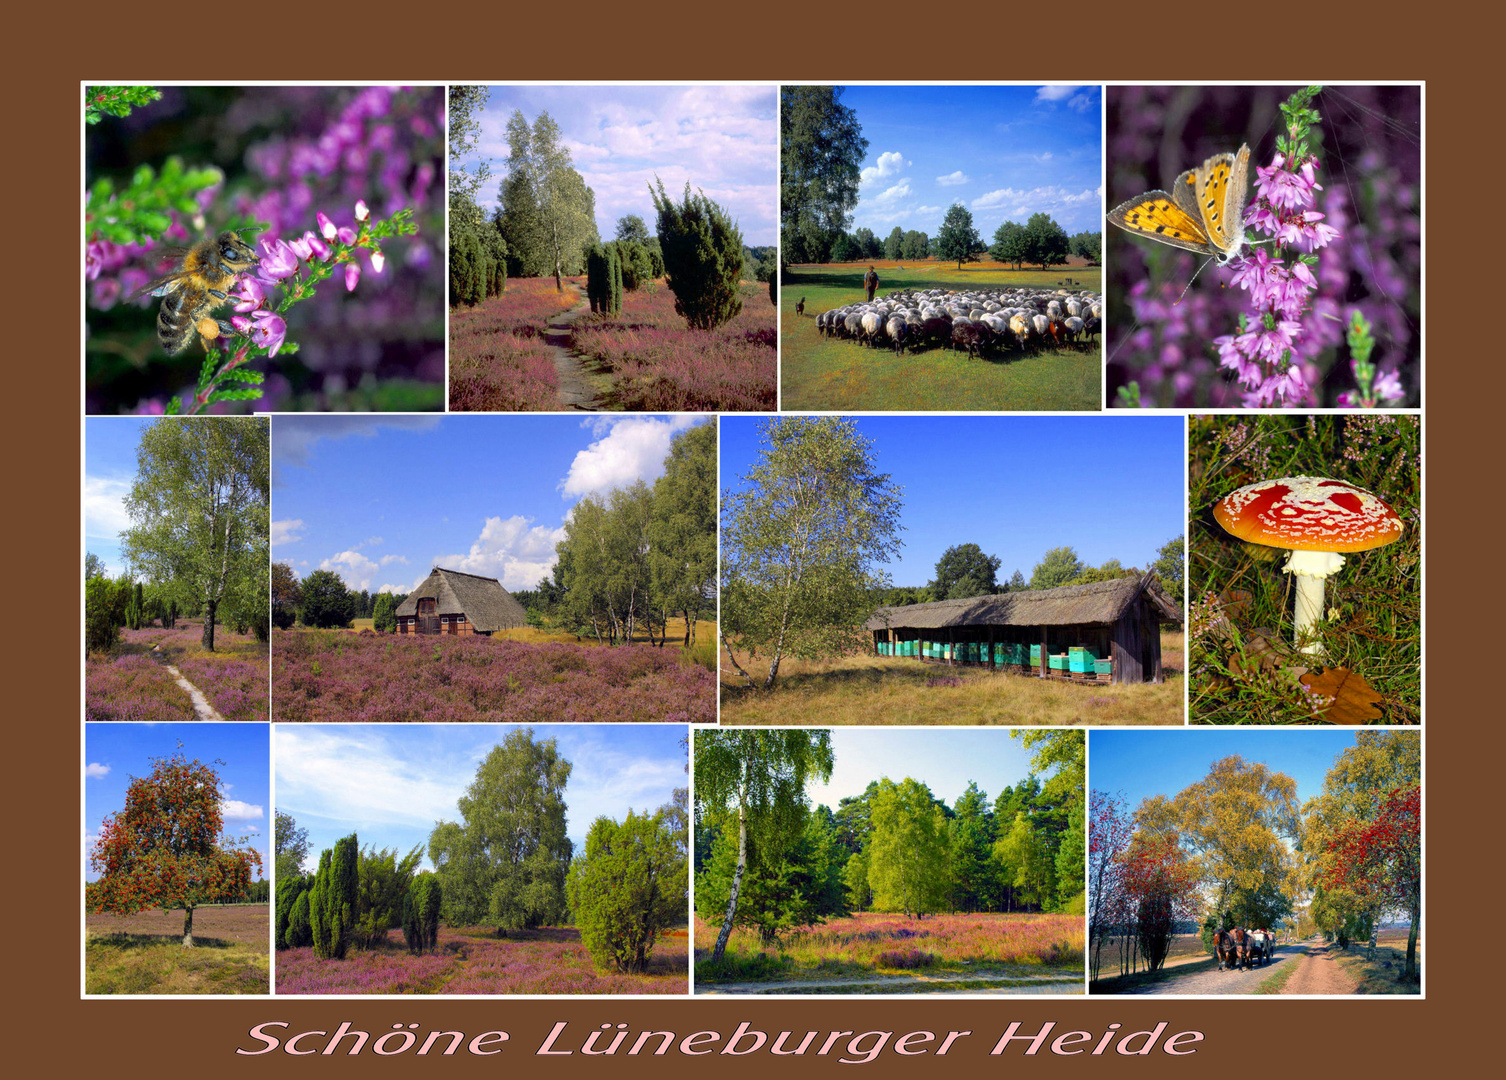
(951, 647)
(1045, 658)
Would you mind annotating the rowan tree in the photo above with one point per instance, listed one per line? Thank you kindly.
(165, 848)
(1162, 883)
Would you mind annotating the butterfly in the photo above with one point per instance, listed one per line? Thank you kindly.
(1204, 211)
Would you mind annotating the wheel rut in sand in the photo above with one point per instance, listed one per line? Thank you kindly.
(575, 390)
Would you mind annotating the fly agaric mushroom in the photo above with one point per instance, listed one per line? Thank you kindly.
(1314, 518)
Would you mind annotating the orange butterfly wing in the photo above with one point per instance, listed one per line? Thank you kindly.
(1164, 217)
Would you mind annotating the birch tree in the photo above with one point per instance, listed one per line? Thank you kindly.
(800, 540)
(549, 214)
(200, 510)
(757, 778)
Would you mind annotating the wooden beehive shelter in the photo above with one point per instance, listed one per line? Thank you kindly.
(450, 602)
(1052, 633)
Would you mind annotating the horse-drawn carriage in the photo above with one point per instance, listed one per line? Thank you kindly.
(1240, 948)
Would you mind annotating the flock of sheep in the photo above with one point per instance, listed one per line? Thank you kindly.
(979, 320)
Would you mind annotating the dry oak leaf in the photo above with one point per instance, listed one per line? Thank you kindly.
(1349, 698)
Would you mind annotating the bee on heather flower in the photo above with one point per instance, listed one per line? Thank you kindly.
(198, 283)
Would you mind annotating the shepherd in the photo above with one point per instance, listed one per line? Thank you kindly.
(870, 283)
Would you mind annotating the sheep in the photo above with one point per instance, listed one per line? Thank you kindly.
(873, 326)
(897, 330)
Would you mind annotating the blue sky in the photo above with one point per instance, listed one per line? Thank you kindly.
(382, 500)
(390, 783)
(1004, 152)
(109, 471)
(943, 760)
(114, 753)
(722, 140)
(1145, 763)
(1107, 486)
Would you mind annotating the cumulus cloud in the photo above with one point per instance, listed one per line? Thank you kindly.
(354, 569)
(1059, 92)
(388, 560)
(953, 179)
(287, 531)
(888, 164)
(235, 810)
(1036, 200)
(513, 550)
(355, 777)
(892, 195)
(625, 450)
(95, 771)
(104, 506)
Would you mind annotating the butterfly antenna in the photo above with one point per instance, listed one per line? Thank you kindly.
(1190, 280)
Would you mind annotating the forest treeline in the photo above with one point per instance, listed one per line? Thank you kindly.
(896, 848)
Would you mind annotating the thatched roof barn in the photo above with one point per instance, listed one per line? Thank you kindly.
(1049, 632)
(450, 602)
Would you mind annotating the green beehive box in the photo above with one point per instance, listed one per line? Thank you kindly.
(1035, 656)
(1103, 667)
(1057, 662)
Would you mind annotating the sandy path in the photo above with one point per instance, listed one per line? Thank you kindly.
(574, 390)
(1319, 973)
(201, 707)
(1232, 981)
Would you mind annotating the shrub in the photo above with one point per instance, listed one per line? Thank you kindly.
(290, 892)
(703, 258)
(333, 899)
(614, 278)
(421, 913)
(598, 283)
(384, 613)
(325, 602)
(104, 611)
(628, 886)
(465, 255)
(300, 932)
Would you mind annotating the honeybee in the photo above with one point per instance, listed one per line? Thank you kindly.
(195, 287)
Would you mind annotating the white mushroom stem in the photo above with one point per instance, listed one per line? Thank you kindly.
(1311, 567)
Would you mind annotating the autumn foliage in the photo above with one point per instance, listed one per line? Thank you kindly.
(1381, 857)
(164, 849)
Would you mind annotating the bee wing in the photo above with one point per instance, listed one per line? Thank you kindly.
(160, 286)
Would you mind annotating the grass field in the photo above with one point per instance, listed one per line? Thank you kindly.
(954, 953)
(130, 682)
(821, 373)
(1382, 975)
(881, 690)
(473, 960)
(144, 953)
(1239, 601)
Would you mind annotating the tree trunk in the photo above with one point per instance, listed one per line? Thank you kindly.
(207, 638)
(1410, 971)
(188, 928)
(737, 876)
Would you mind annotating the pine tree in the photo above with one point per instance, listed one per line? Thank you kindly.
(703, 257)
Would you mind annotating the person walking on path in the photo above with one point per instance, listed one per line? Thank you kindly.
(870, 283)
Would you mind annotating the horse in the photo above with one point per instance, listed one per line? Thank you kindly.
(1232, 948)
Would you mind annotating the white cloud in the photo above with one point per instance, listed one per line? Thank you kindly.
(513, 550)
(104, 506)
(1081, 102)
(354, 569)
(953, 179)
(1036, 200)
(388, 560)
(888, 165)
(236, 810)
(1057, 93)
(296, 435)
(625, 450)
(355, 777)
(96, 771)
(287, 531)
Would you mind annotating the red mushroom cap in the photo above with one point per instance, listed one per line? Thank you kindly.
(1308, 513)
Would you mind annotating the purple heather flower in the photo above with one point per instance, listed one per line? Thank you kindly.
(105, 293)
(361, 212)
(326, 226)
(249, 296)
(94, 259)
(265, 329)
(352, 275)
(302, 248)
(346, 234)
(278, 261)
(378, 260)
(320, 248)
(1387, 386)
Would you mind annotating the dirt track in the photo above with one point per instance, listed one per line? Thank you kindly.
(1319, 973)
(574, 391)
(1008, 984)
(1225, 982)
